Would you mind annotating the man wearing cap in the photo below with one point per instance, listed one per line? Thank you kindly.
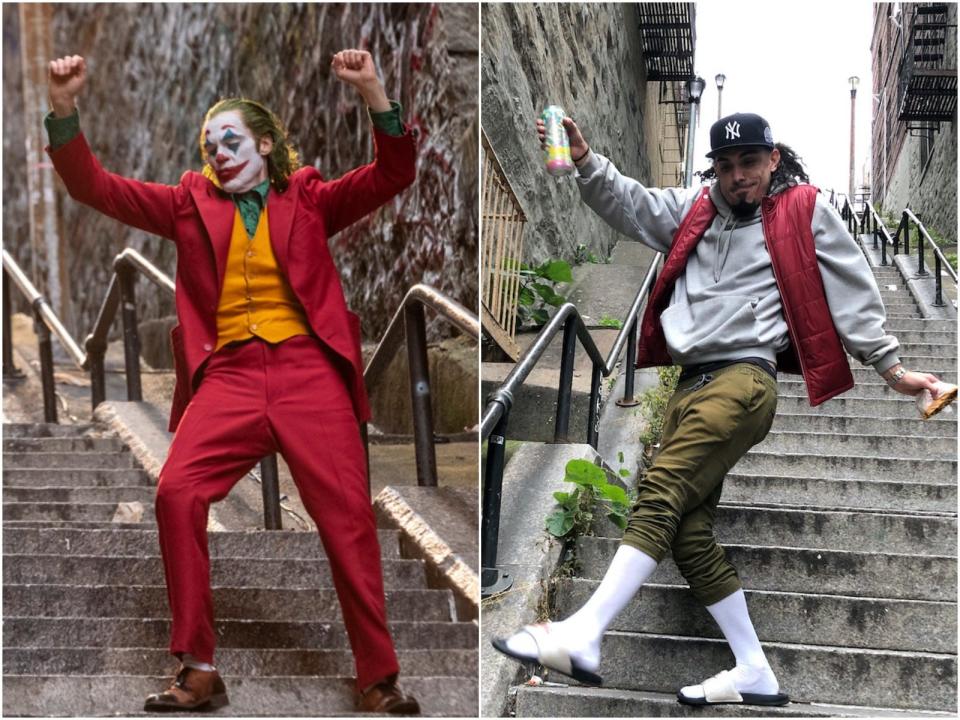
(760, 275)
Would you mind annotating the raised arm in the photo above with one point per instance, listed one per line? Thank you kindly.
(361, 191)
(147, 206)
(647, 215)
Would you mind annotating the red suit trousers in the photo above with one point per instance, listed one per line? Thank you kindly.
(257, 398)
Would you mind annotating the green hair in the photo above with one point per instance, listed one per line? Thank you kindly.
(282, 160)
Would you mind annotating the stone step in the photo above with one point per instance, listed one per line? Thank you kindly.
(577, 701)
(837, 530)
(886, 467)
(279, 544)
(944, 426)
(281, 604)
(879, 390)
(63, 444)
(823, 571)
(809, 619)
(938, 337)
(236, 661)
(897, 312)
(95, 460)
(97, 512)
(807, 673)
(868, 445)
(59, 477)
(925, 324)
(123, 695)
(155, 632)
(78, 525)
(896, 300)
(868, 374)
(36, 430)
(838, 493)
(80, 495)
(900, 407)
(251, 572)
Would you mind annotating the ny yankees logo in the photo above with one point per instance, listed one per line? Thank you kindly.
(733, 130)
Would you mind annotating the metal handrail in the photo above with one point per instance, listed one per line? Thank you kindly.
(907, 216)
(493, 425)
(410, 312)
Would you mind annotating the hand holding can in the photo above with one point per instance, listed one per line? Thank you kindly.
(556, 144)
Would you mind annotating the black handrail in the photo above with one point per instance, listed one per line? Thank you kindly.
(493, 425)
(872, 218)
(409, 318)
(121, 292)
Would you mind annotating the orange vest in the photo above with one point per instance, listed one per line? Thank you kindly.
(256, 299)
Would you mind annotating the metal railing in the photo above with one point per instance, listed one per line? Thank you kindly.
(409, 316)
(493, 426)
(871, 222)
(121, 295)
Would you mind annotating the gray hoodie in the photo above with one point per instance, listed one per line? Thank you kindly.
(726, 304)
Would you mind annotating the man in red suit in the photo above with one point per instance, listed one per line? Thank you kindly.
(267, 354)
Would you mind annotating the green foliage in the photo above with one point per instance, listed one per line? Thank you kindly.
(653, 404)
(538, 290)
(582, 255)
(611, 322)
(592, 495)
(951, 258)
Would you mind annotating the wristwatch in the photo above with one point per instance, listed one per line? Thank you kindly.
(896, 377)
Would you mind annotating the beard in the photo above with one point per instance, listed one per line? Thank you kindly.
(744, 209)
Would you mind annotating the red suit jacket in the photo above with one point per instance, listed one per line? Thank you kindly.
(198, 217)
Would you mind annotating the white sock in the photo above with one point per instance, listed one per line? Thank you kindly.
(582, 632)
(191, 662)
(752, 673)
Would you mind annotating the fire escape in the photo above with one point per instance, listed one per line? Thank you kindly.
(927, 94)
(668, 38)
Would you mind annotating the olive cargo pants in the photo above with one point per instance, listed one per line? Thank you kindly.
(710, 422)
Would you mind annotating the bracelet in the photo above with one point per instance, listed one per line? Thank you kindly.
(896, 377)
(576, 160)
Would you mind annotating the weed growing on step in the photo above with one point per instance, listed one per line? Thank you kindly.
(653, 405)
(591, 497)
(611, 322)
(582, 255)
(538, 290)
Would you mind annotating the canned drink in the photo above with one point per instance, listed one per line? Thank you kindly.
(557, 148)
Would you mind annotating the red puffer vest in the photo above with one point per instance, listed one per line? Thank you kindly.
(815, 350)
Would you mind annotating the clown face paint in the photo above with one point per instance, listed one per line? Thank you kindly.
(233, 154)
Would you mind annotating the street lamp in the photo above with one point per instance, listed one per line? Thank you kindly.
(854, 81)
(695, 86)
(720, 78)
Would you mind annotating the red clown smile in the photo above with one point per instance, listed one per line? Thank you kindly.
(228, 174)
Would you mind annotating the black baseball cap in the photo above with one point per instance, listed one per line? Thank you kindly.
(739, 129)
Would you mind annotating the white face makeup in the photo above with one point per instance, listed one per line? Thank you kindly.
(233, 154)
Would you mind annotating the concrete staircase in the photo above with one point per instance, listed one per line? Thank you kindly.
(85, 610)
(843, 525)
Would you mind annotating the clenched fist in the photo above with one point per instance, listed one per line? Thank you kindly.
(67, 78)
(356, 68)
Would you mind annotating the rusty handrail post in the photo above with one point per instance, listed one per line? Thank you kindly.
(10, 369)
(126, 276)
(420, 401)
(46, 364)
(270, 487)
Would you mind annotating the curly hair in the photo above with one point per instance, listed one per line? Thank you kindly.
(789, 170)
(283, 159)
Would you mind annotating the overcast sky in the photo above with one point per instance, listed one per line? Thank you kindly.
(790, 61)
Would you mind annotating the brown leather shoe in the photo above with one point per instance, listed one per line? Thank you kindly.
(191, 690)
(387, 697)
